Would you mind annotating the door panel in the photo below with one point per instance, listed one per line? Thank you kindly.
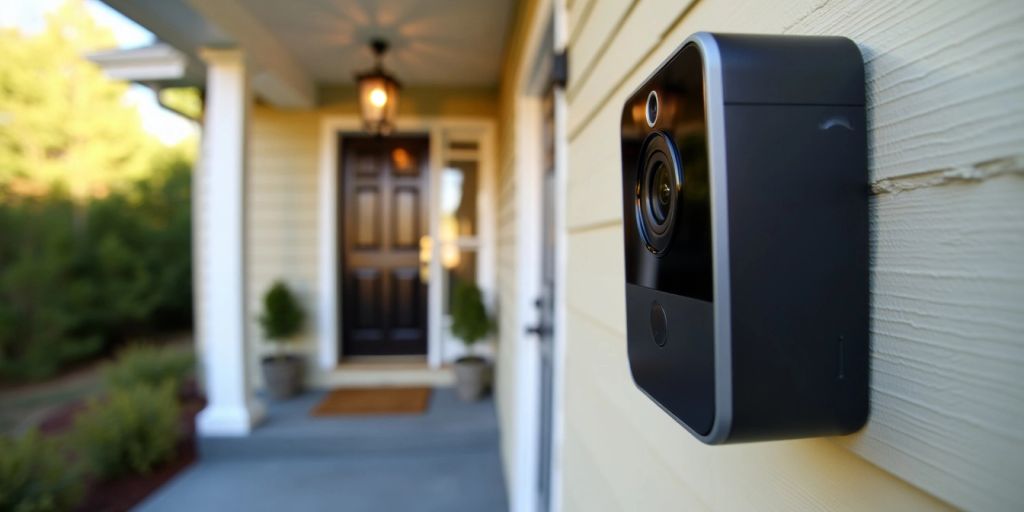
(407, 299)
(384, 213)
(367, 217)
(407, 217)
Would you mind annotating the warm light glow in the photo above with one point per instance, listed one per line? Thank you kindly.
(378, 97)
(448, 232)
(401, 159)
(451, 256)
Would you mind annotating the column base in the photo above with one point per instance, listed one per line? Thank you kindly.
(229, 421)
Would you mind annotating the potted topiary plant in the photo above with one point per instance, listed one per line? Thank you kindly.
(281, 320)
(470, 323)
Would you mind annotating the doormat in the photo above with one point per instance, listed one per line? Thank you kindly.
(364, 401)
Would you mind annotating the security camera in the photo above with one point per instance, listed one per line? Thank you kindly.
(745, 202)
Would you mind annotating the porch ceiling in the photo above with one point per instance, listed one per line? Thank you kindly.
(296, 46)
(435, 42)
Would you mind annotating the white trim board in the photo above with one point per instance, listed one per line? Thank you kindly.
(329, 294)
(544, 29)
(560, 22)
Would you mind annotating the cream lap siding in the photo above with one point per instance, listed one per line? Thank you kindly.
(946, 114)
(281, 221)
(508, 331)
(510, 338)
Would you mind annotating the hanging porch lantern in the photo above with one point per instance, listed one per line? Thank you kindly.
(378, 94)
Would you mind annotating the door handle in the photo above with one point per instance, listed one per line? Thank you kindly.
(541, 329)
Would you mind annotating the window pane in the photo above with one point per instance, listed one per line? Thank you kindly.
(459, 183)
(404, 163)
(459, 267)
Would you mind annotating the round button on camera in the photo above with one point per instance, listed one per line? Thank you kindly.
(659, 324)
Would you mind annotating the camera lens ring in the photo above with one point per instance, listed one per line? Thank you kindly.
(656, 209)
(652, 108)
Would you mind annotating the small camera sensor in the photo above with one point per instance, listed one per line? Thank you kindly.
(652, 108)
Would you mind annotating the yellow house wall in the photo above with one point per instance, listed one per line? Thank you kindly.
(946, 111)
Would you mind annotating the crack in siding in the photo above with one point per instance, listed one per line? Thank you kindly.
(821, 5)
(1010, 165)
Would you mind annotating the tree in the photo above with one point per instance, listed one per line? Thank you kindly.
(95, 220)
(62, 122)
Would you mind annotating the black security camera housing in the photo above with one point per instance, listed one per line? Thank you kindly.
(745, 202)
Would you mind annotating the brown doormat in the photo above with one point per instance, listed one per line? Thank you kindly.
(389, 400)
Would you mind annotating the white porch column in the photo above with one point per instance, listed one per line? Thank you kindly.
(232, 410)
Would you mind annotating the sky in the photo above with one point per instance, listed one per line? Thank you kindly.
(29, 16)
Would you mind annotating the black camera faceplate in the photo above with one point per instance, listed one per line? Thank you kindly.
(673, 362)
(681, 133)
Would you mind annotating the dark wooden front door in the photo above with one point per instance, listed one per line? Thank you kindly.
(384, 210)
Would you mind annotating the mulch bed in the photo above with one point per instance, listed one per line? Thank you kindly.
(121, 494)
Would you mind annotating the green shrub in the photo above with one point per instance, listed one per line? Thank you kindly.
(35, 477)
(131, 431)
(469, 314)
(42, 289)
(282, 316)
(150, 365)
(79, 278)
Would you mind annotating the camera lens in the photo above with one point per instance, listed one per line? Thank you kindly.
(652, 108)
(660, 192)
(659, 182)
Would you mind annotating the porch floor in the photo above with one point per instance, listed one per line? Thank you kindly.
(446, 460)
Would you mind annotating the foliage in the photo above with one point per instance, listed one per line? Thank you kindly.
(76, 279)
(61, 121)
(131, 431)
(470, 321)
(184, 100)
(35, 477)
(282, 316)
(41, 289)
(150, 365)
(95, 215)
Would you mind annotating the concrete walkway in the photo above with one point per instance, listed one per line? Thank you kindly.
(444, 460)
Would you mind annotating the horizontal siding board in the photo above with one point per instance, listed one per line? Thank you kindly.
(948, 342)
(595, 282)
(644, 455)
(945, 78)
(584, 485)
(578, 13)
(602, 22)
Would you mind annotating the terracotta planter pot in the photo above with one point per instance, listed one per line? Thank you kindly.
(472, 378)
(282, 376)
